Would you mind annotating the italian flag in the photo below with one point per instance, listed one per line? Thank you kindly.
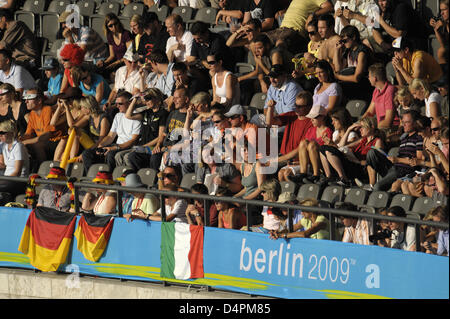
(181, 251)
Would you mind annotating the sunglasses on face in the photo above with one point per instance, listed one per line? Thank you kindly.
(343, 41)
(217, 122)
(211, 62)
(169, 176)
(312, 32)
(235, 117)
(3, 133)
(120, 103)
(112, 24)
(300, 105)
(65, 60)
(435, 129)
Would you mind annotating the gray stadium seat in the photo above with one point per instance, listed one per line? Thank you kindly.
(162, 12)
(402, 200)
(258, 100)
(118, 171)
(288, 187)
(93, 170)
(332, 194)
(48, 22)
(132, 8)
(29, 13)
(147, 176)
(356, 196)
(96, 23)
(108, 7)
(58, 6)
(206, 15)
(356, 108)
(87, 9)
(76, 170)
(376, 200)
(184, 12)
(422, 205)
(45, 167)
(188, 180)
(20, 199)
(309, 191)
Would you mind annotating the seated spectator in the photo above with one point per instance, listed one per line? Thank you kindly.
(442, 86)
(404, 101)
(170, 175)
(18, 39)
(56, 196)
(175, 208)
(316, 225)
(14, 74)
(382, 104)
(88, 39)
(325, 27)
(137, 31)
(92, 127)
(13, 160)
(92, 83)
(13, 108)
(54, 76)
(393, 167)
(67, 110)
(440, 215)
(127, 78)
(349, 160)
(296, 125)
(127, 197)
(154, 38)
(225, 86)
(179, 45)
(403, 235)
(308, 152)
(127, 133)
(244, 36)
(297, 215)
(228, 10)
(100, 201)
(40, 138)
(395, 19)
(355, 13)
(441, 31)
(351, 61)
(251, 177)
(153, 118)
(143, 205)
(410, 63)
(71, 55)
(196, 4)
(230, 216)
(282, 91)
(422, 91)
(264, 11)
(328, 92)
(187, 80)
(357, 230)
(118, 40)
(195, 212)
(162, 75)
(270, 190)
(208, 43)
(293, 28)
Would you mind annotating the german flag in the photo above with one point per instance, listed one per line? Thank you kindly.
(47, 237)
(93, 234)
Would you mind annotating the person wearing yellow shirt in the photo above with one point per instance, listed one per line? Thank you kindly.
(411, 64)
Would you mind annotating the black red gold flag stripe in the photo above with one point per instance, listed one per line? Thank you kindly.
(47, 237)
(93, 233)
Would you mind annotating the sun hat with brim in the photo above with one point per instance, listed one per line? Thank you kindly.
(316, 111)
(133, 180)
(29, 96)
(121, 178)
(104, 178)
(286, 197)
(57, 173)
(3, 91)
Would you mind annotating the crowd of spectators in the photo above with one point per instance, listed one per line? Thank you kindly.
(158, 93)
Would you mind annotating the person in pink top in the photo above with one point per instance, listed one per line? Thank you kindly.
(309, 147)
(382, 104)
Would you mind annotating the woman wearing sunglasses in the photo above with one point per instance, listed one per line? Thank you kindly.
(91, 83)
(224, 83)
(118, 40)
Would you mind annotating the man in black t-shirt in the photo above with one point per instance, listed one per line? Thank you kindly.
(264, 11)
(229, 9)
(188, 81)
(154, 38)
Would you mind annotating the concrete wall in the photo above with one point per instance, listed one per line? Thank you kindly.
(18, 283)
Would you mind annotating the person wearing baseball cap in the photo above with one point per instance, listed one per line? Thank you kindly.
(282, 91)
(410, 63)
(54, 76)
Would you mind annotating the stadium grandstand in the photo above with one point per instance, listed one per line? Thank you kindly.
(302, 125)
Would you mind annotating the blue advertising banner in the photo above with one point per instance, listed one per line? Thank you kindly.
(253, 263)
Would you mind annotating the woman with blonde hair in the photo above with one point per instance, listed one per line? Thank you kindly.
(137, 30)
(12, 107)
(421, 90)
(13, 160)
(118, 40)
(404, 101)
(316, 225)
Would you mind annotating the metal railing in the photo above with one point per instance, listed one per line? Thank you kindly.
(207, 199)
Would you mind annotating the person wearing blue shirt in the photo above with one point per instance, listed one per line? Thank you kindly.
(93, 84)
(282, 91)
(51, 68)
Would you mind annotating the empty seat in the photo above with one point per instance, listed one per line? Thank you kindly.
(188, 180)
(332, 194)
(132, 8)
(76, 170)
(356, 196)
(162, 12)
(422, 205)
(402, 200)
(48, 21)
(108, 7)
(30, 12)
(376, 200)
(58, 6)
(288, 187)
(308, 191)
(356, 108)
(147, 176)
(96, 23)
(206, 14)
(87, 9)
(184, 12)
(258, 100)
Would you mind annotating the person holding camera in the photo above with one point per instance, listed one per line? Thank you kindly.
(440, 25)
(403, 236)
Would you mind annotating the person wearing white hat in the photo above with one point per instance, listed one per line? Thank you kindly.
(308, 152)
